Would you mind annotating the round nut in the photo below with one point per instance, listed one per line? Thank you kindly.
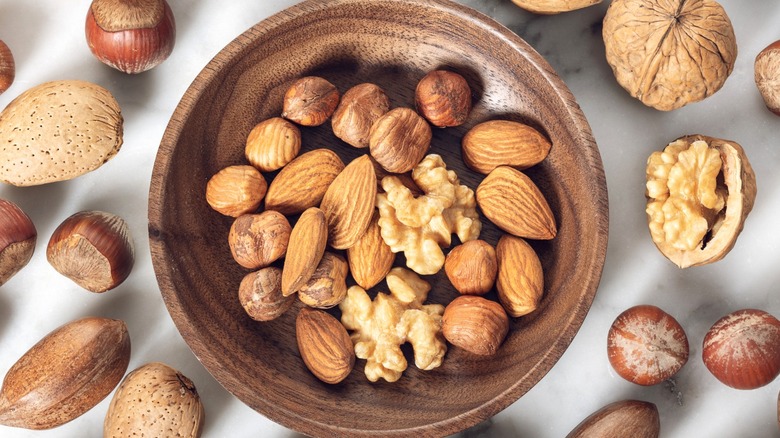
(324, 344)
(767, 74)
(742, 349)
(257, 240)
(399, 140)
(236, 190)
(17, 239)
(472, 267)
(444, 98)
(503, 143)
(475, 324)
(668, 54)
(360, 107)
(272, 143)
(310, 101)
(327, 286)
(7, 67)
(260, 294)
(646, 345)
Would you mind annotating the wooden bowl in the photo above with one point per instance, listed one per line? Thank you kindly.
(392, 43)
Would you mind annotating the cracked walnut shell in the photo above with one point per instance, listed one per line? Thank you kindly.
(669, 53)
(700, 190)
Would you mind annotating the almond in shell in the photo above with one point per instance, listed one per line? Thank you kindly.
(520, 282)
(303, 182)
(65, 374)
(503, 143)
(155, 400)
(370, 259)
(515, 204)
(627, 418)
(349, 203)
(324, 344)
(305, 249)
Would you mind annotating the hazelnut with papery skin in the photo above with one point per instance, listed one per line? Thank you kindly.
(7, 67)
(443, 98)
(310, 101)
(17, 239)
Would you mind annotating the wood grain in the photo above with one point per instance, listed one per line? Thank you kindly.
(392, 43)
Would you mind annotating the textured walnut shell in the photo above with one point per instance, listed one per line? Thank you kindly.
(349, 203)
(17, 239)
(549, 7)
(475, 324)
(324, 344)
(260, 294)
(272, 143)
(359, 108)
(443, 98)
(303, 182)
(399, 140)
(155, 400)
(669, 53)
(257, 240)
(767, 76)
(65, 374)
(327, 286)
(74, 127)
(627, 418)
(740, 181)
(310, 101)
(7, 67)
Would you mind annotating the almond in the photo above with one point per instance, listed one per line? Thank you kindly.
(503, 143)
(65, 374)
(370, 258)
(304, 251)
(57, 131)
(520, 281)
(303, 182)
(155, 400)
(475, 324)
(627, 418)
(324, 344)
(513, 202)
(327, 286)
(349, 203)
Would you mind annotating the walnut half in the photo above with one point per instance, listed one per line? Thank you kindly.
(699, 191)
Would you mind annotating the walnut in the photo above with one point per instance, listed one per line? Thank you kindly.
(700, 190)
(382, 326)
(669, 53)
(420, 226)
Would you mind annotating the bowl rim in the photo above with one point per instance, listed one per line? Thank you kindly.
(579, 128)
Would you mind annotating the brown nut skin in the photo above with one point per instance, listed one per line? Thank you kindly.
(472, 267)
(17, 239)
(767, 71)
(327, 286)
(646, 345)
(349, 203)
(131, 36)
(303, 182)
(260, 294)
(65, 374)
(399, 140)
(92, 248)
(155, 400)
(272, 143)
(475, 324)
(307, 244)
(626, 418)
(324, 345)
(310, 101)
(503, 143)
(7, 67)
(257, 240)
(520, 280)
(370, 258)
(236, 190)
(742, 349)
(550, 7)
(443, 98)
(359, 108)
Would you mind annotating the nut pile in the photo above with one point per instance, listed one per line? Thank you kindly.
(326, 223)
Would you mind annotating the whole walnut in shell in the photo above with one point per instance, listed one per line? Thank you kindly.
(669, 53)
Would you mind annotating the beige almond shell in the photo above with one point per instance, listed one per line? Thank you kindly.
(349, 203)
(503, 143)
(370, 258)
(740, 180)
(57, 131)
(303, 182)
(155, 400)
(520, 281)
(65, 374)
(549, 7)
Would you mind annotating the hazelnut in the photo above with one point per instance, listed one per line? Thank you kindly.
(236, 190)
(17, 239)
(310, 101)
(359, 108)
(131, 36)
(7, 67)
(92, 248)
(272, 143)
(767, 75)
(260, 294)
(742, 349)
(257, 240)
(472, 267)
(646, 345)
(399, 140)
(475, 324)
(327, 286)
(444, 98)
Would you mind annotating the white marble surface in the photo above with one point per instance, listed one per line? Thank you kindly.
(47, 39)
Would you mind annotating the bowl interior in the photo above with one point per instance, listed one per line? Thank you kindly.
(391, 43)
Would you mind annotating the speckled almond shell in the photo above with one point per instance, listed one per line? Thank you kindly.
(155, 400)
(57, 131)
